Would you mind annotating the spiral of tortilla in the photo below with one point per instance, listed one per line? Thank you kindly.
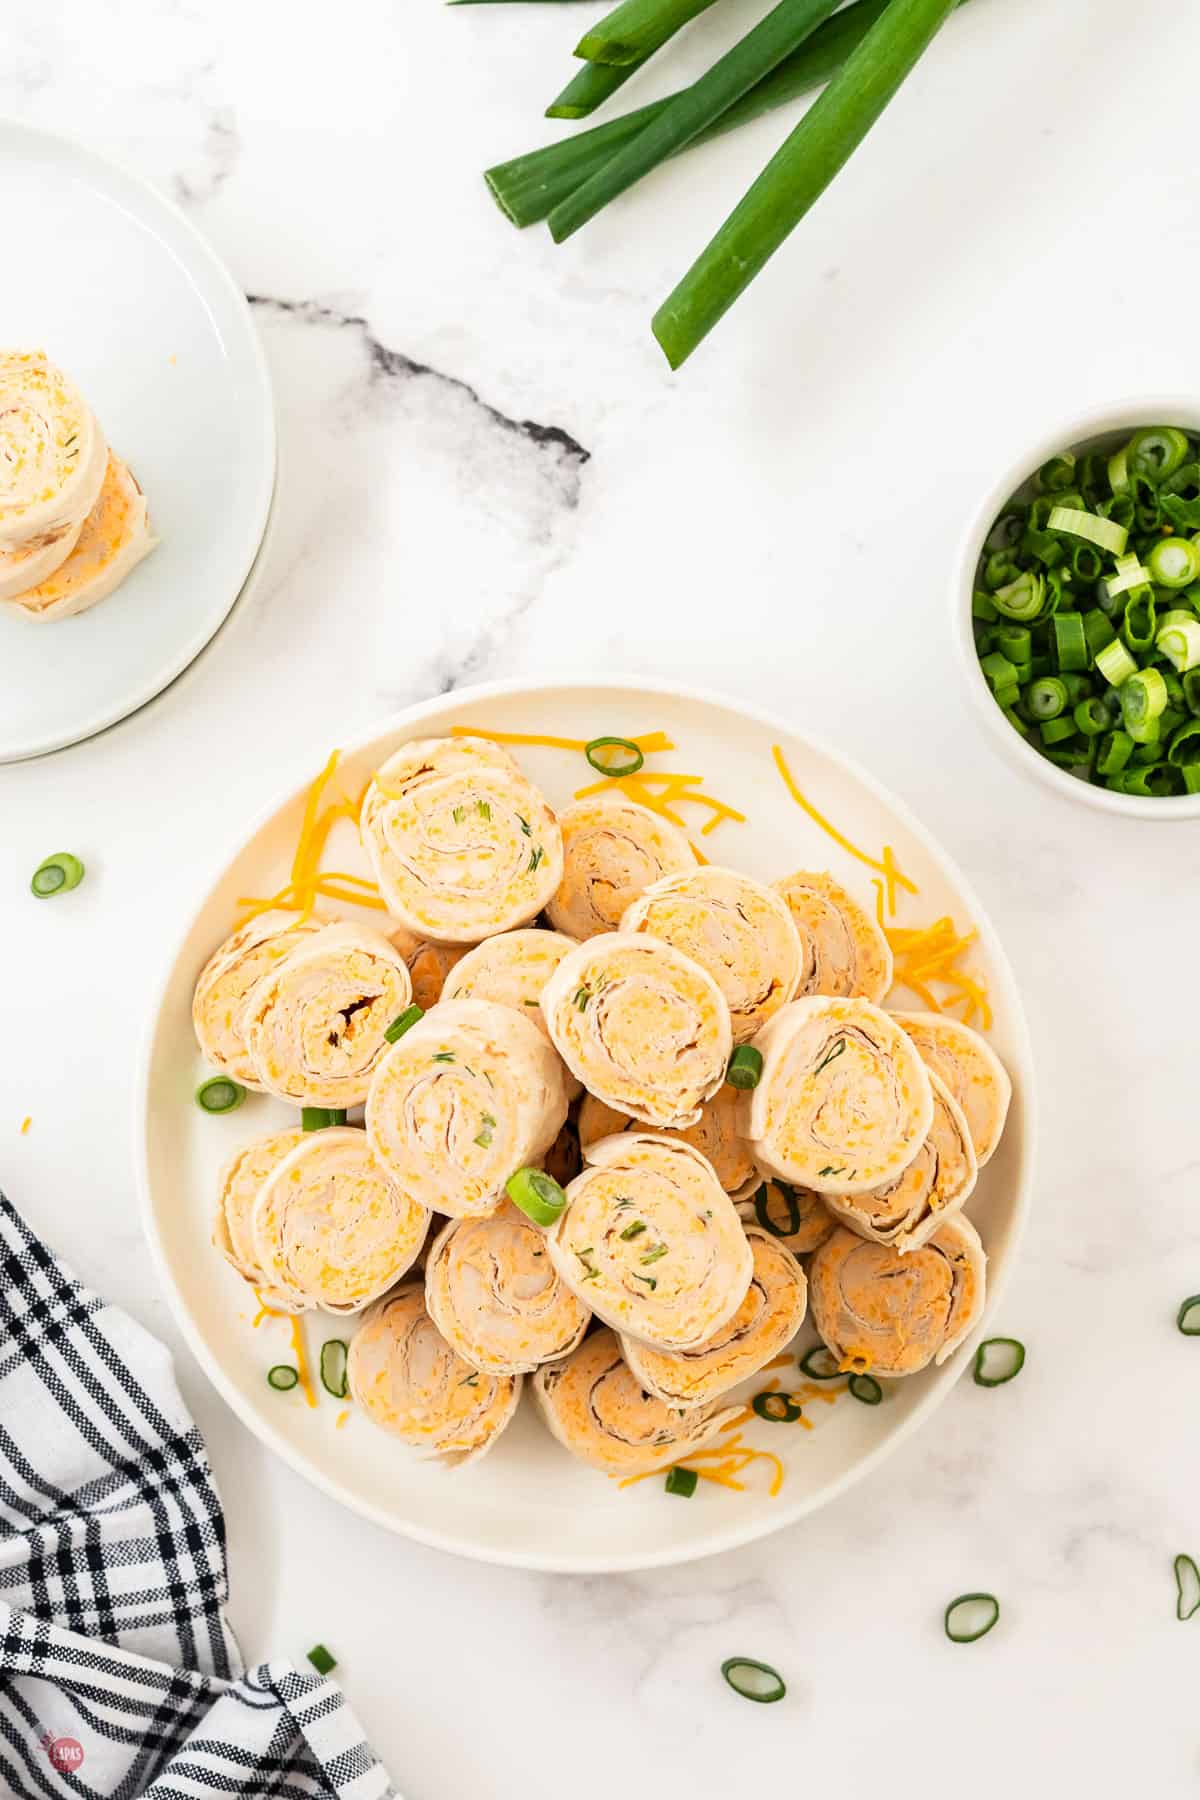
(597, 1409)
(650, 1241)
(314, 1026)
(461, 844)
(428, 964)
(612, 850)
(331, 1225)
(795, 1217)
(470, 1094)
(844, 1101)
(891, 1314)
(970, 1069)
(937, 1182)
(33, 562)
(114, 538)
(242, 1180)
(495, 1296)
(737, 929)
(409, 1382)
(716, 1135)
(511, 969)
(52, 451)
(226, 979)
(642, 1026)
(767, 1320)
(847, 954)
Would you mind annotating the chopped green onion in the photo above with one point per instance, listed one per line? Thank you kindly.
(780, 1409)
(1143, 697)
(1091, 717)
(636, 27)
(629, 765)
(1188, 1317)
(333, 1367)
(791, 1201)
(1046, 698)
(1115, 663)
(319, 1656)
(1131, 575)
(632, 1231)
(1015, 642)
(282, 1378)
(756, 1681)
(1023, 598)
(1090, 526)
(1115, 751)
(745, 1068)
(57, 875)
(820, 1364)
(1057, 731)
(1070, 641)
(1178, 637)
(1118, 472)
(681, 1482)
(220, 1094)
(1174, 562)
(1139, 624)
(998, 1360)
(1156, 452)
(537, 1194)
(1184, 748)
(591, 85)
(403, 1022)
(320, 1118)
(971, 1617)
(1187, 1587)
(866, 1389)
(1001, 674)
(1097, 629)
(1057, 474)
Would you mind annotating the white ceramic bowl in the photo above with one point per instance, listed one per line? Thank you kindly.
(528, 1503)
(1103, 426)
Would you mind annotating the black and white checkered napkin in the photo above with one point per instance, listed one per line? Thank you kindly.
(119, 1676)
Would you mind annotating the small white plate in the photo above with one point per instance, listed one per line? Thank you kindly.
(528, 1503)
(117, 287)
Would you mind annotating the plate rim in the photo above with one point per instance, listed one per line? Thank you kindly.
(152, 197)
(732, 1536)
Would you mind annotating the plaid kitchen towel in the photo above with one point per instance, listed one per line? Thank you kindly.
(119, 1676)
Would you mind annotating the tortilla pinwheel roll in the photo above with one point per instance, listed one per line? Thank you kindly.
(843, 1103)
(847, 953)
(650, 1241)
(767, 1320)
(461, 844)
(495, 1296)
(428, 964)
(599, 1411)
(331, 1226)
(970, 1069)
(716, 1135)
(409, 1382)
(34, 561)
(890, 1314)
(612, 851)
(116, 535)
(52, 451)
(511, 969)
(737, 929)
(219, 1000)
(242, 1181)
(471, 1093)
(315, 1025)
(641, 1025)
(795, 1217)
(906, 1212)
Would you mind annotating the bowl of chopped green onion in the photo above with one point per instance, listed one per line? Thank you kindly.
(1077, 608)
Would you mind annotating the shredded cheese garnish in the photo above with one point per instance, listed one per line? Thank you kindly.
(25, 1124)
(886, 865)
(932, 954)
(662, 792)
(309, 881)
(648, 743)
(298, 1347)
(341, 1419)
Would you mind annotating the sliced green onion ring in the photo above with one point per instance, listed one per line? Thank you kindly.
(1187, 1587)
(1174, 562)
(866, 1389)
(745, 1068)
(1115, 663)
(1188, 1316)
(220, 1094)
(791, 1199)
(756, 1681)
(57, 875)
(1143, 697)
(998, 1360)
(321, 1659)
(403, 1022)
(682, 1482)
(780, 1409)
(1156, 452)
(320, 1118)
(820, 1364)
(632, 762)
(333, 1367)
(971, 1617)
(282, 1378)
(1046, 698)
(1178, 638)
(537, 1194)
(1091, 526)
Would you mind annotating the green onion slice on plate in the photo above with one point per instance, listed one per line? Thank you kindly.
(745, 1068)
(1187, 1587)
(282, 1378)
(321, 1659)
(998, 1360)
(320, 1118)
(57, 875)
(820, 1364)
(220, 1094)
(537, 1194)
(780, 1409)
(756, 1681)
(333, 1367)
(682, 1482)
(971, 1617)
(1188, 1316)
(614, 756)
(403, 1022)
(866, 1389)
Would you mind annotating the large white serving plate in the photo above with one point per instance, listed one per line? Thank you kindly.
(529, 1503)
(116, 286)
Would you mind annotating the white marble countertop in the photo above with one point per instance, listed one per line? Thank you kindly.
(489, 471)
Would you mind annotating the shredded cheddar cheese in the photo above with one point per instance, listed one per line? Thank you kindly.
(662, 793)
(25, 1124)
(341, 1419)
(298, 1347)
(931, 955)
(309, 882)
(886, 865)
(648, 743)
